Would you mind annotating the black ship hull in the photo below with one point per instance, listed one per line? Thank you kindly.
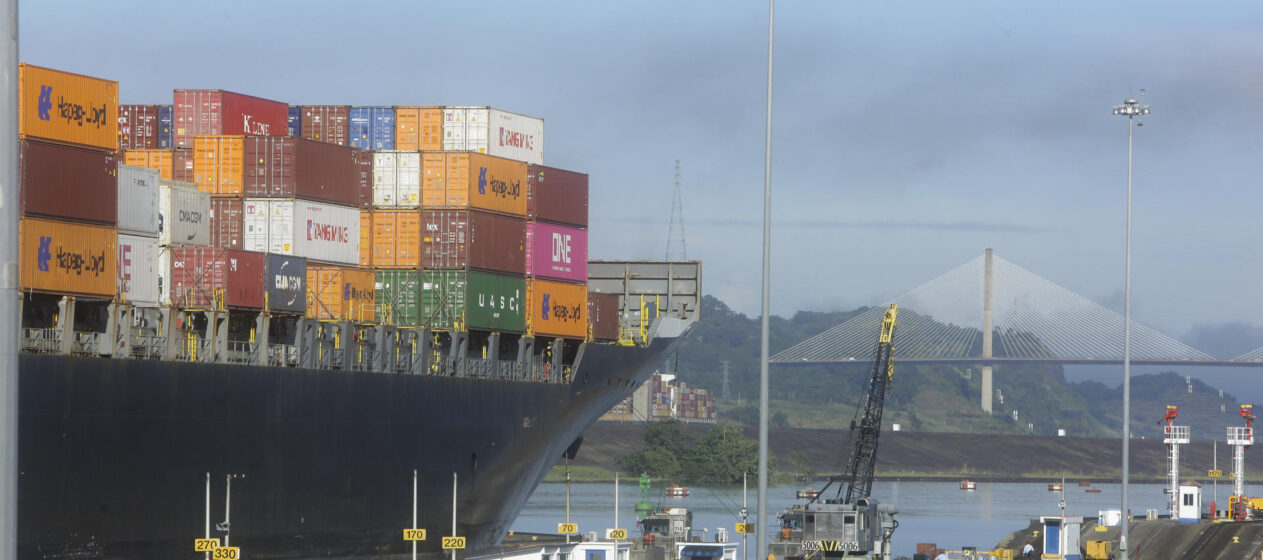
(114, 454)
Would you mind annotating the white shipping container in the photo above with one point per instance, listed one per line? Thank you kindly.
(492, 131)
(137, 200)
(164, 275)
(397, 179)
(183, 214)
(138, 269)
(321, 232)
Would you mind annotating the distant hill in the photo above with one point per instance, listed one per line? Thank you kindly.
(931, 399)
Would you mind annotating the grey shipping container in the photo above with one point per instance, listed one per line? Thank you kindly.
(454, 239)
(286, 284)
(73, 184)
(556, 195)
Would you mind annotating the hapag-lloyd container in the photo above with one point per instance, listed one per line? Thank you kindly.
(294, 121)
(399, 297)
(166, 127)
(461, 238)
(459, 300)
(137, 127)
(218, 163)
(372, 128)
(226, 222)
(293, 167)
(67, 258)
(138, 269)
(556, 252)
(363, 161)
(340, 293)
(216, 278)
(67, 108)
(176, 165)
(397, 179)
(321, 232)
(68, 182)
(556, 309)
(396, 241)
(603, 316)
(201, 112)
(492, 131)
(137, 200)
(419, 128)
(285, 282)
(326, 123)
(556, 195)
(183, 214)
(471, 180)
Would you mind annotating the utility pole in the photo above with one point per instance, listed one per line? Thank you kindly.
(727, 394)
(677, 222)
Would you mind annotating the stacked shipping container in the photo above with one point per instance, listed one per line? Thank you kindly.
(666, 397)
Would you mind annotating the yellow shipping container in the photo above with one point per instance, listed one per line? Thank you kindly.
(68, 258)
(218, 164)
(556, 309)
(396, 238)
(67, 108)
(419, 128)
(366, 238)
(339, 293)
(473, 180)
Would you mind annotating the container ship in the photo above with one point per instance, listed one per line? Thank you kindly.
(252, 321)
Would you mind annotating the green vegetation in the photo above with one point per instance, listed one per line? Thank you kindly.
(928, 398)
(719, 456)
(579, 474)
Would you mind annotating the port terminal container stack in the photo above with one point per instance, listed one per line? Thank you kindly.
(665, 397)
(492, 131)
(325, 123)
(213, 112)
(418, 128)
(372, 128)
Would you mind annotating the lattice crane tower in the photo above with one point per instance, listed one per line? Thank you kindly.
(1174, 437)
(676, 233)
(1241, 438)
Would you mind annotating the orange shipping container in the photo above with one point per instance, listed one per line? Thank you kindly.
(396, 238)
(556, 309)
(218, 164)
(419, 128)
(473, 180)
(68, 258)
(340, 293)
(67, 108)
(366, 239)
(174, 165)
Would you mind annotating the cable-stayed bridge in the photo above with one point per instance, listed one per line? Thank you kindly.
(990, 311)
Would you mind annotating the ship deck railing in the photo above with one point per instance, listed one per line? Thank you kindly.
(148, 347)
(41, 341)
(86, 344)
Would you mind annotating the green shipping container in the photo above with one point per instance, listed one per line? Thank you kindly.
(399, 297)
(460, 299)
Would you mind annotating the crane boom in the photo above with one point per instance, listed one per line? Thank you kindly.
(859, 472)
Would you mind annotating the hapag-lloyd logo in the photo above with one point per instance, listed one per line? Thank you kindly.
(317, 231)
(253, 127)
(561, 312)
(517, 139)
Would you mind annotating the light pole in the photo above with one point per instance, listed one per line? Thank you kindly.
(1130, 109)
(760, 535)
(226, 526)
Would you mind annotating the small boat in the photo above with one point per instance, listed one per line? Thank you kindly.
(1093, 490)
(808, 494)
(1084, 483)
(677, 491)
(1055, 487)
(968, 485)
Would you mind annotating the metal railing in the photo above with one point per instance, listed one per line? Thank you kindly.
(148, 347)
(41, 341)
(241, 352)
(86, 344)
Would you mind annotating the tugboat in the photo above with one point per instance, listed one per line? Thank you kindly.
(669, 534)
(1055, 487)
(677, 491)
(968, 485)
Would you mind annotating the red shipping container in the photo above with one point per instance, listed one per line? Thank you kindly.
(364, 174)
(326, 123)
(217, 112)
(69, 183)
(603, 315)
(227, 217)
(556, 195)
(275, 167)
(216, 278)
(137, 127)
(457, 239)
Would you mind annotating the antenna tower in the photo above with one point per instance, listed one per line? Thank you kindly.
(676, 233)
(727, 394)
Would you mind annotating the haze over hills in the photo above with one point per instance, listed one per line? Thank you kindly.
(1031, 399)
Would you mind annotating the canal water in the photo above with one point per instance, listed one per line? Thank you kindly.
(929, 512)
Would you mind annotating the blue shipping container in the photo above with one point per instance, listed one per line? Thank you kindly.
(286, 279)
(373, 128)
(166, 125)
(296, 121)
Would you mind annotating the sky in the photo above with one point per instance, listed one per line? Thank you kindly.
(907, 136)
